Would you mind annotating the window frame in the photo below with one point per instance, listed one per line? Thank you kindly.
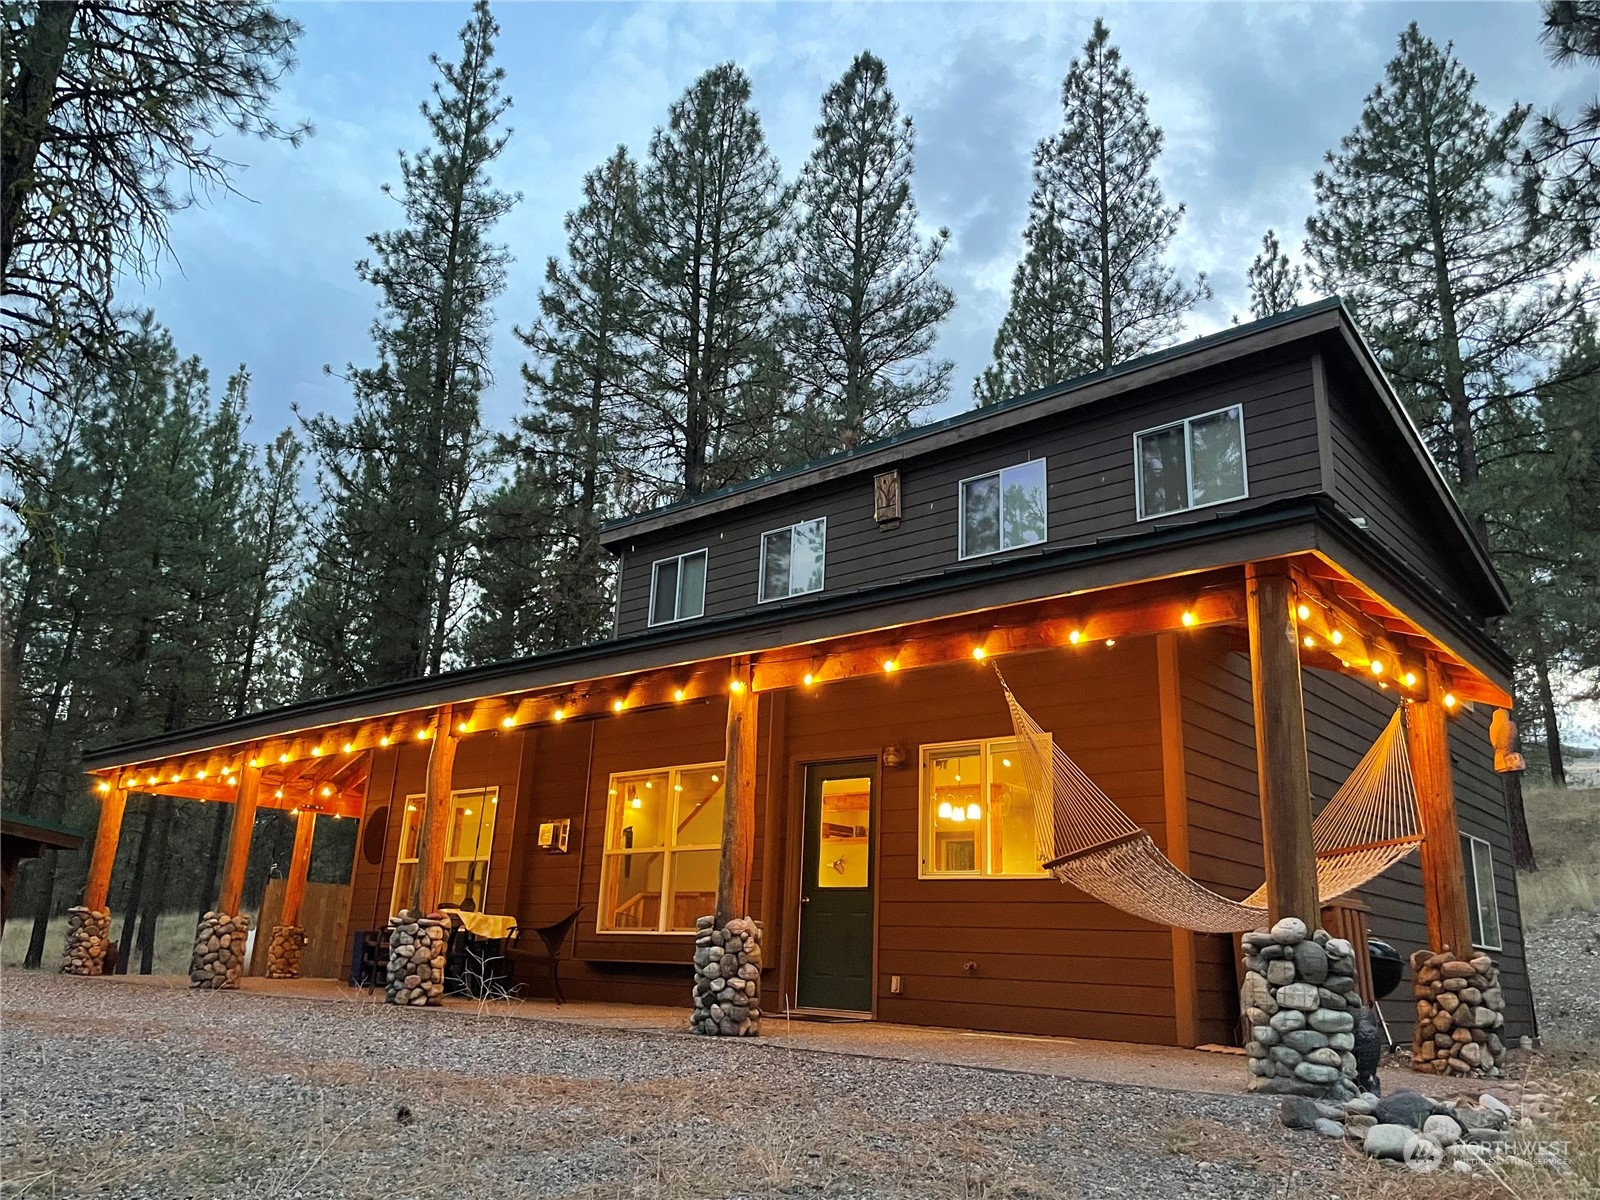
(608, 855)
(961, 509)
(417, 803)
(925, 824)
(650, 612)
(1469, 846)
(1188, 464)
(761, 555)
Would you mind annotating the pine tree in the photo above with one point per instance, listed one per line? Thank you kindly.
(868, 305)
(708, 282)
(542, 579)
(1040, 340)
(1274, 280)
(1420, 227)
(1097, 177)
(109, 123)
(399, 477)
(1563, 160)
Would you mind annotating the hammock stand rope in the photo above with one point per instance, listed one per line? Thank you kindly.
(1086, 840)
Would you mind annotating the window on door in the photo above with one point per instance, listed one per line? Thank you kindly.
(468, 844)
(1483, 907)
(977, 812)
(663, 846)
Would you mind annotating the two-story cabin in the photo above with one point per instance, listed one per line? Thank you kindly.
(1129, 547)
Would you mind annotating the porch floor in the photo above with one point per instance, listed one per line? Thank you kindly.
(1165, 1067)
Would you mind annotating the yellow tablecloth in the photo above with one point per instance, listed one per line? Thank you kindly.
(487, 925)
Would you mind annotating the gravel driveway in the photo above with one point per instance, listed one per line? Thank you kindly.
(116, 1089)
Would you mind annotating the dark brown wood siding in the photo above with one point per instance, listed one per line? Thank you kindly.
(1343, 718)
(1374, 479)
(1090, 478)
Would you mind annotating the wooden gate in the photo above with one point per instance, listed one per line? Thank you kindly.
(324, 914)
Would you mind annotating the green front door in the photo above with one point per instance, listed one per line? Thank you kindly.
(836, 889)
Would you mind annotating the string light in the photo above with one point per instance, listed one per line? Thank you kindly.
(349, 746)
(316, 752)
(616, 706)
(1377, 666)
(327, 791)
(462, 726)
(736, 686)
(1411, 679)
(1336, 637)
(809, 679)
(1111, 641)
(1303, 613)
(560, 714)
(1309, 640)
(1188, 618)
(255, 762)
(890, 666)
(199, 774)
(278, 793)
(678, 695)
(1075, 636)
(422, 734)
(508, 722)
(104, 787)
(979, 653)
(284, 757)
(1449, 699)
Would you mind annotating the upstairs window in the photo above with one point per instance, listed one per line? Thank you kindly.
(678, 588)
(1483, 907)
(1004, 510)
(791, 559)
(1191, 463)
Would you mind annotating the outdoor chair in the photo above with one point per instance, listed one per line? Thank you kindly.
(553, 937)
(372, 968)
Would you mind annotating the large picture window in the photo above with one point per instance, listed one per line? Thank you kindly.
(468, 843)
(1191, 463)
(1004, 510)
(791, 559)
(663, 844)
(678, 588)
(977, 812)
(1483, 907)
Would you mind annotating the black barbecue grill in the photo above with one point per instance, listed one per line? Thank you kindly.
(1388, 968)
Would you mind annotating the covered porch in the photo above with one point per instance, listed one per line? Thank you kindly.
(1153, 685)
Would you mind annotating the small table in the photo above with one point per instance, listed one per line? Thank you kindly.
(478, 963)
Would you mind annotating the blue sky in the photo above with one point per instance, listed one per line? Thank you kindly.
(1250, 97)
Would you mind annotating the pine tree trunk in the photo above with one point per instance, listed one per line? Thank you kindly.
(135, 895)
(1521, 842)
(39, 935)
(155, 900)
(1552, 728)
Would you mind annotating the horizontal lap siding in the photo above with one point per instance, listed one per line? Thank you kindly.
(1219, 752)
(1044, 958)
(1090, 478)
(1481, 811)
(1373, 480)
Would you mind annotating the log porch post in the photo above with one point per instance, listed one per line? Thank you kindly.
(429, 878)
(1444, 880)
(739, 805)
(1281, 763)
(231, 893)
(97, 887)
(294, 886)
(1186, 1011)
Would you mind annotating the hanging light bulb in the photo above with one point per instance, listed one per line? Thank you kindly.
(973, 811)
(1411, 679)
(1111, 642)
(1075, 636)
(1309, 640)
(809, 679)
(104, 787)
(637, 802)
(1303, 613)
(349, 746)
(559, 715)
(979, 653)
(944, 811)
(616, 706)
(507, 722)
(958, 815)
(678, 695)
(1377, 666)
(1188, 618)
(890, 666)
(316, 752)
(1336, 637)
(736, 686)
(1449, 699)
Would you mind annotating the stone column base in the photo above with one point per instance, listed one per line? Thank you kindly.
(417, 946)
(284, 951)
(1300, 998)
(219, 945)
(88, 936)
(1460, 1013)
(727, 978)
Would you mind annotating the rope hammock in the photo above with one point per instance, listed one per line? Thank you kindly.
(1086, 840)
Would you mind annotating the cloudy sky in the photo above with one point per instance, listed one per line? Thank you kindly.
(1250, 97)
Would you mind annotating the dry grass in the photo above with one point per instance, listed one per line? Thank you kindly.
(1564, 824)
(174, 942)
